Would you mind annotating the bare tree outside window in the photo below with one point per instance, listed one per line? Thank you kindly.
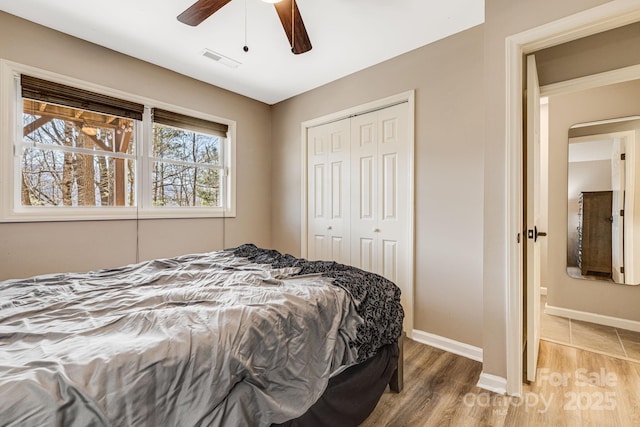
(187, 168)
(73, 157)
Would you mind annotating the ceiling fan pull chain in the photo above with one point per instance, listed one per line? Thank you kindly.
(245, 47)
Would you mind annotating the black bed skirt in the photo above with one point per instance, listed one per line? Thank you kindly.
(351, 396)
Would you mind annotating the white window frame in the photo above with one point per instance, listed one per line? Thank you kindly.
(11, 209)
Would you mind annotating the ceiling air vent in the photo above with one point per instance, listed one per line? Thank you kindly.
(218, 57)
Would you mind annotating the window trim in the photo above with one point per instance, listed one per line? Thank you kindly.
(10, 136)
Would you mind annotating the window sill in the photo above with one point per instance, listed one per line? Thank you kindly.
(111, 214)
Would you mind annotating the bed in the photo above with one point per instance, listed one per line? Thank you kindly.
(244, 336)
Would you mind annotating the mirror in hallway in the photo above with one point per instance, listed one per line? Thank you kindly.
(603, 240)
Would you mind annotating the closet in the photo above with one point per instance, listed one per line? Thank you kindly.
(359, 179)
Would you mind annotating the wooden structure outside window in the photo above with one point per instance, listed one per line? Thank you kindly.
(78, 146)
(79, 149)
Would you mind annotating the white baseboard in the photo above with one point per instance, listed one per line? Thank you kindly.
(446, 344)
(585, 316)
(486, 381)
(492, 383)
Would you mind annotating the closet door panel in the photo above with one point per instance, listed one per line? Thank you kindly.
(367, 188)
(389, 187)
(394, 184)
(365, 251)
(328, 167)
(366, 131)
(318, 245)
(390, 260)
(338, 160)
(337, 202)
(317, 220)
(318, 190)
(367, 254)
(339, 251)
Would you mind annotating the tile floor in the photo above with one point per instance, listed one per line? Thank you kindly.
(601, 339)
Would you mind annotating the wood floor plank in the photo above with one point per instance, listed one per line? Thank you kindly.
(573, 388)
(626, 394)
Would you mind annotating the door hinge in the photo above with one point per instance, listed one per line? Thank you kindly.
(623, 156)
(621, 212)
(621, 270)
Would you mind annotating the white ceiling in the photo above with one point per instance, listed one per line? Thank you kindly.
(347, 36)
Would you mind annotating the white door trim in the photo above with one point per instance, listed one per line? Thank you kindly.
(607, 16)
(408, 97)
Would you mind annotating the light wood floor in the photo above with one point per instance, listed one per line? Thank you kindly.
(439, 390)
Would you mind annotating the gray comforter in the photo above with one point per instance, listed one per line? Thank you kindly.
(207, 339)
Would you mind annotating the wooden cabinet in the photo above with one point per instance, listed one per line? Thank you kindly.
(594, 233)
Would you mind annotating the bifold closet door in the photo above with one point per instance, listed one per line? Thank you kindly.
(328, 192)
(380, 175)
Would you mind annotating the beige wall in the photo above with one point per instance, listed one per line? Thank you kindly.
(504, 18)
(447, 77)
(620, 100)
(33, 248)
(616, 48)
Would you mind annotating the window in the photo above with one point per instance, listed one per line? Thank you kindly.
(74, 156)
(83, 154)
(187, 163)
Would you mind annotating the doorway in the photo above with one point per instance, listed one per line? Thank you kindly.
(572, 28)
(591, 174)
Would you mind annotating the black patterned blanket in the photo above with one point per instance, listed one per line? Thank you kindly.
(377, 299)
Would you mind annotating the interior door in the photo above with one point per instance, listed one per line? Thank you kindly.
(328, 171)
(532, 278)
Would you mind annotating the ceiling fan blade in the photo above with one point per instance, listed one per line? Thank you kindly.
(300, 42)
(201, 10)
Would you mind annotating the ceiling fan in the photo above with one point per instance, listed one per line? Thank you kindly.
(287, 11)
